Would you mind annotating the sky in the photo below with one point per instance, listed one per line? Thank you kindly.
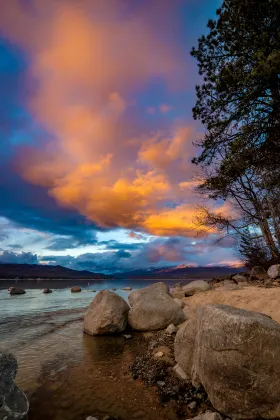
(96, 134)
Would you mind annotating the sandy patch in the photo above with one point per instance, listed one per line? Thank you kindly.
(266, 301)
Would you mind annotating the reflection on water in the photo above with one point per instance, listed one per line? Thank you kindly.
(69, 375)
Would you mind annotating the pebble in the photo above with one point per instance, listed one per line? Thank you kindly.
(159, 354)
(127, 336)
(192, 405)
(161, 383)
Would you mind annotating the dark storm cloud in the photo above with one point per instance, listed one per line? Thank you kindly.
(22, 258)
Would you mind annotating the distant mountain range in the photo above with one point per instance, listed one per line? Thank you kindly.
(182, 272)
(33, 271)
(37, 271)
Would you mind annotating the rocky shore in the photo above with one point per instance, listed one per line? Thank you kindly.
(205, 350)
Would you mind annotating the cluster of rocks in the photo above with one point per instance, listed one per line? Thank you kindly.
(258, 276)
(159, 373)
(149, 309)
(13, 402)
(181, 291)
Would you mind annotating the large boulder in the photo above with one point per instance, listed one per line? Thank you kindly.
(107, 314)
(274, 271)
(234, 354)
(13, 402)
(196, 286)
(152, 308)
(258, 273)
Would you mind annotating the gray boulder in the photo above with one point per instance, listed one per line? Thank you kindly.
(13, 402)
(234, 354)
(107, 314)
(152, 308)
(196, 286)
(274, 271)
(230, 285)
(258, 273)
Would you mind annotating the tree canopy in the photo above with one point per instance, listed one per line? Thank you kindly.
(238, 102)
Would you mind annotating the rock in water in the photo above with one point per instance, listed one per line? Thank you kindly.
(13, 402)
(107, 314)
(274, 271)
(17, 291)
(196, 286)
(76, 289)
(47, 291)
(234, 354)
(152, 308)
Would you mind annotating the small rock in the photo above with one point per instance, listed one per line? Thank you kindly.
(171, 329)
(91, 418)
(196, 287)
(258, 273)
(76, 289)
(159, 354)
(208, 415)
(161, 383)
(114, 289)
(177, 293)
(179, 372)
(127, 288)
(239, 278)
(127, 336)
(93, 291)
(199, 396)
(47, 291)
(192, 405)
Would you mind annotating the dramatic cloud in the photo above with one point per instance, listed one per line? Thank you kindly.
(96, 134)
(101, 158)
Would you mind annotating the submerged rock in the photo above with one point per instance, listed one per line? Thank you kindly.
(13, 402)
(152, 308)
(76, 289)
(234, 354)
(127, 288)
(195, 287)
(47, 291)
(107, 314)
(17, 291)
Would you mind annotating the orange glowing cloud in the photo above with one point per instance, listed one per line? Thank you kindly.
(89, 59)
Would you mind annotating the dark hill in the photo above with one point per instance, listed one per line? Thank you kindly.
(182, 272)
(34, 271)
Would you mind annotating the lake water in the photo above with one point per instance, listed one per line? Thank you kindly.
(66, 374)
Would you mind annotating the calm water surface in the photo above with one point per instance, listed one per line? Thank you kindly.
(66, 374)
